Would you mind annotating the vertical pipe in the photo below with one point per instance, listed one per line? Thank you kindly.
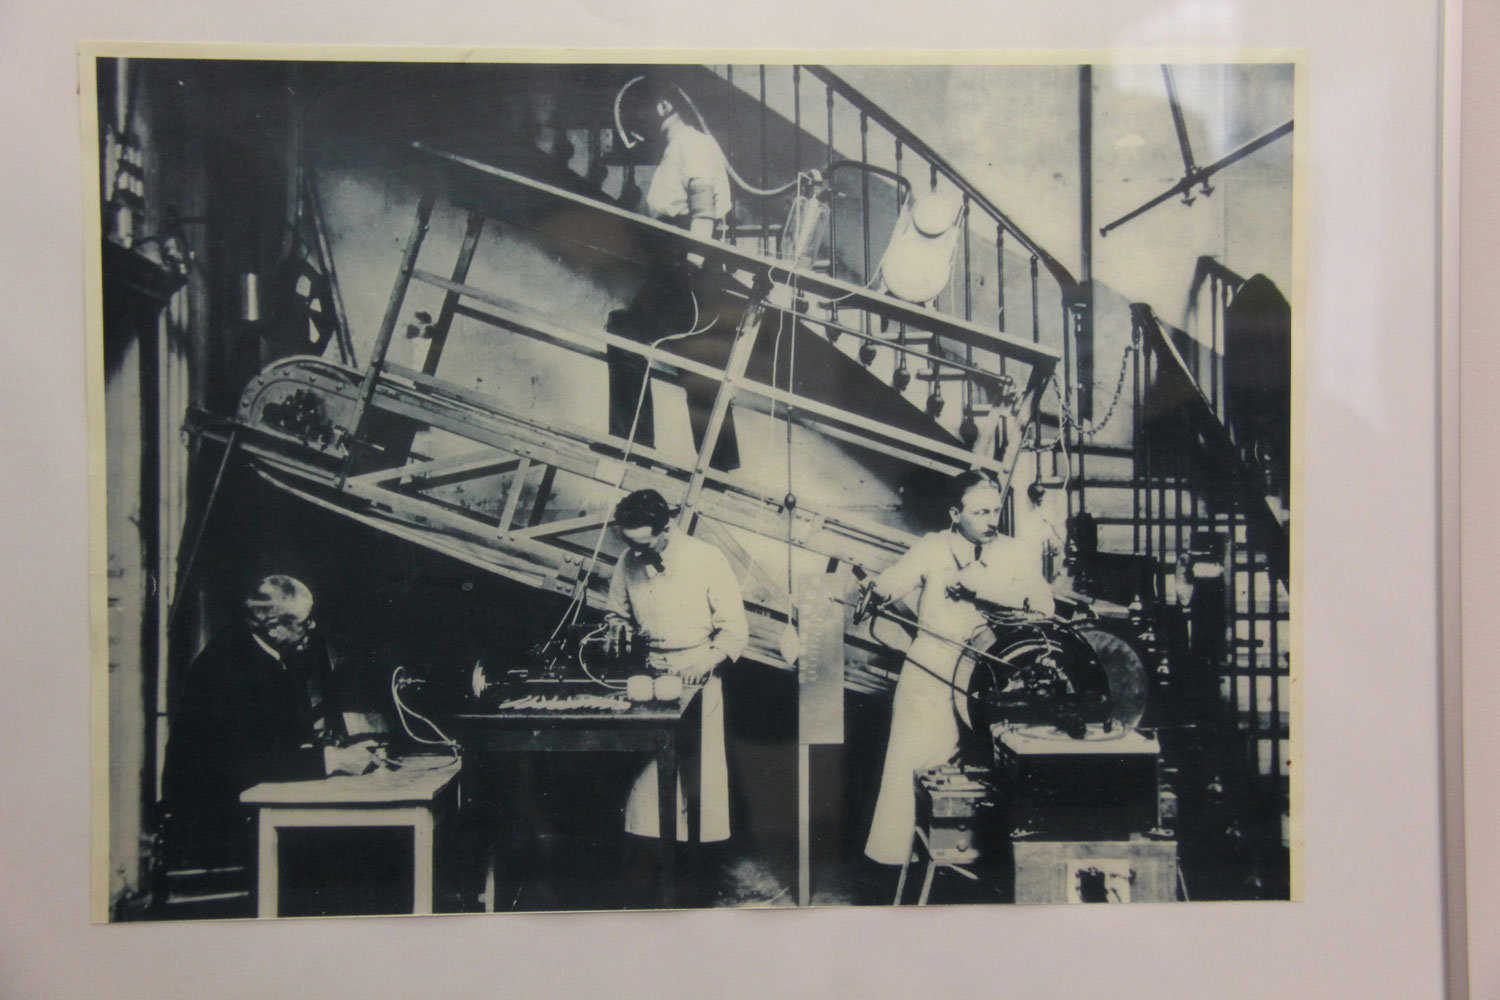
(864, 198)
(1036, 317)
(1082, 480)
(1000, 279)
(1148, 470)
(796, 120)
(1213, 341)
(765, 226)
(1180, 453)
(1224, 295)
(1000, 285)
(968, 311)
(1136, 445)
(1085, 334)
(968, 270)
(833, 202)
(1065, 397)
(901, 326)
(729, 113)
(1252, 649)
(804, 824)
(1275, 676)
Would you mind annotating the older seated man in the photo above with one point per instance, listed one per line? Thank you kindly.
(257, 705)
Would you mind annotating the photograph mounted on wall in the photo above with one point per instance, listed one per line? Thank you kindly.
(878, 475)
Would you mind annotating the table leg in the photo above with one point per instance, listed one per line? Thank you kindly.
(267, 867)
(911, 855)
(422, 862)
(666, 811)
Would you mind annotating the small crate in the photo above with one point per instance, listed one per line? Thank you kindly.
(948, 802)
(1128, 871)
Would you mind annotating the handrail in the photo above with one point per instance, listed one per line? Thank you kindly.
(956, 328)
(1265, 529)
(1208, 267)
(864, 105)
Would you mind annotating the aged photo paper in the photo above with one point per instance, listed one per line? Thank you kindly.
(884, 471)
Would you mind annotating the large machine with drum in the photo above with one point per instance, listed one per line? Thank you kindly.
(1056, 788)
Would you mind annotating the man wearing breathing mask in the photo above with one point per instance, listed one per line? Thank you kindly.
(690, 189)
(683, 594)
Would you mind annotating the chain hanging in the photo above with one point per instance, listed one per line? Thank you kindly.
(1088, 433)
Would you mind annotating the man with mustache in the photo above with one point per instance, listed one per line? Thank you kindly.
(941, 577)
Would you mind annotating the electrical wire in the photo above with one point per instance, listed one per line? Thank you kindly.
(743, 184)
(402, 711)
(964, 647)
(575, 604)
(608, 685)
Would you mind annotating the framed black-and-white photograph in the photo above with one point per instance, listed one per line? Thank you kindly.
(948, 467)
(880, 473)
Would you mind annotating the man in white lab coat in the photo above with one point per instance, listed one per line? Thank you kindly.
(941, 577)
(683, 594)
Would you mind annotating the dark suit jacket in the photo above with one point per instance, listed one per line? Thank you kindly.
(244, 717)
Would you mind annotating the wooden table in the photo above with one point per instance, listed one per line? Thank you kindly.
(410, 795)
(656, 727)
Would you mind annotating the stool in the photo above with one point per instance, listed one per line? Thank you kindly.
(948, 799)
(919, 836)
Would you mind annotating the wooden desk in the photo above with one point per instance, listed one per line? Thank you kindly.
(651, 726)
(411, 795)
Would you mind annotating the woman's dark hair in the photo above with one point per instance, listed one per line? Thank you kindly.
(643, 508)
(966, 481)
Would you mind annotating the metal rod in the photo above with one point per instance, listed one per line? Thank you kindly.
(734, 371)
(765, 169)
(968, 267)
(804, 824)
(538, 326)
(473, 227)
(1135, 442)
(833, 200)
(1000, 278)
(1036, 315)
(1222, 345)
(864, 195)
(1189, 168)
(388, 324)
(181, 589)
(1082, 480)
(1202, 175)
(797, 119)
(325, 258)
(1085, 304)
(953, 327)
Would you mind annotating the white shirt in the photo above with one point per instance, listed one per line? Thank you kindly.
(694, 599)
(690, 155)
(1004, 574)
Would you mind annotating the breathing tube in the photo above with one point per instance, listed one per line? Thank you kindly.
(631, 139)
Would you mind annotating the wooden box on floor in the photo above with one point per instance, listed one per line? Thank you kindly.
(1125, 871)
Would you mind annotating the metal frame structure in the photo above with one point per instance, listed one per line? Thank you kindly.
(334, 458)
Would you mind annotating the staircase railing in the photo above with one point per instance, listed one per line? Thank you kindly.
(1201, 516)
(765, 103)
(1172, 408)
